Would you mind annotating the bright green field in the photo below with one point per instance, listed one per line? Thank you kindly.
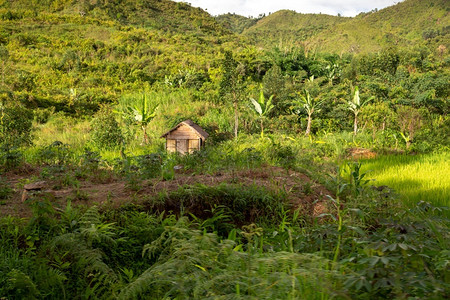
(415, 177)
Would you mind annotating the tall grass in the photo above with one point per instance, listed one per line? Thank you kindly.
(416, 178)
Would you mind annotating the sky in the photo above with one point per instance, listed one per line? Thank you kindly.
(347, 8)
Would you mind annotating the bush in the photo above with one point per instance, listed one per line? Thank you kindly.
(15, 125)
(41, 115)
(106, 132)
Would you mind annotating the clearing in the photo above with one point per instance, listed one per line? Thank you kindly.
(300, 190)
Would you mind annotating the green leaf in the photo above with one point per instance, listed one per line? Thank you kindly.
(257, 106)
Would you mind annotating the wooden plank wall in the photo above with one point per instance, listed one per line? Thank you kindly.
(171, 145)
(182, 133)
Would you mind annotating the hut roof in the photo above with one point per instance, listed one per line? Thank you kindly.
(194, 127)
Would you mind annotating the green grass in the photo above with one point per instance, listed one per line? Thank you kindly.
(415, 177)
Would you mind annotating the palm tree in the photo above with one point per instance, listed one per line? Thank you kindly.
(310, 105)
(262, 107)
(355, 105)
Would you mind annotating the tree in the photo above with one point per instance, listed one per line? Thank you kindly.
(410, 120)
(332, 71)
(310, 105)
(274, 83)
(377, 116)
(142, 113)
(231, 85)
(262, 107)
(355, 105)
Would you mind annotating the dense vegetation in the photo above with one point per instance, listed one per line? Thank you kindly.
(88, 87)
(408, 23)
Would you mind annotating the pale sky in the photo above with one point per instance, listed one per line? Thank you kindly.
(348, 8)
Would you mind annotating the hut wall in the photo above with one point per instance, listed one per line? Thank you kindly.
(182, 133)
(183, 140)
(194, 145)
(171, 145)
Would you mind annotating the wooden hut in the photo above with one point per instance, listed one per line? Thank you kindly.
(186, 137)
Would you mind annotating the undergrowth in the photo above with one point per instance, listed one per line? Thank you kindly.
(229, 241)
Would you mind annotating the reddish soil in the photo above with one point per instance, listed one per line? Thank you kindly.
(358, 153)
(304, 193)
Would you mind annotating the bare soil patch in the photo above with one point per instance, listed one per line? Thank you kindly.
(303, 193)
(358, 153)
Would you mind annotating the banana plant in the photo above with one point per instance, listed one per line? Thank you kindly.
(332, 71)
(262, 107)
(310, 105)
(355, 105)
(143, 114)
(407, 138)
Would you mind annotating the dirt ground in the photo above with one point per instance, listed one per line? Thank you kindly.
(302, 192)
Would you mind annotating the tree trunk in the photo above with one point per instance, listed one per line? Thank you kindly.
(144, 130)
(355, 124)
(308, 127)
(262, 128)
(236, 119)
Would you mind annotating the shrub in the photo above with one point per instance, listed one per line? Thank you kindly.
(41, 115)
(57, 153)
(15, 125)
(106, 133)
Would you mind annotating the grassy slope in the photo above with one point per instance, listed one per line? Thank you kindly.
(100, 53)
(159, 14)
(402, 25)
(399, 25)
(289, 27)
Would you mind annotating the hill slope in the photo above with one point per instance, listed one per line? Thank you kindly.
(289, 26)
(236, 23)
(407, 23)
(159, 14)
(75, 56)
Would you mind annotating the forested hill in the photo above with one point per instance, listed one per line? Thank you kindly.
(75, 55)
(411, 22)
(72, 56)
(158, 14)
(236, 23)
(408, 23)
(289, 27)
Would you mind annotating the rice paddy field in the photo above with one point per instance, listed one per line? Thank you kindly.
(424, 177)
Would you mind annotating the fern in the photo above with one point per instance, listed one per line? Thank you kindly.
(21, 285)
(84, 258)
(193, 264)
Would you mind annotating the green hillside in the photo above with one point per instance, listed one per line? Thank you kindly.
(236, 23)
(411, 22)
(75, 56)
(158, 14)
(408, 23)
(289, 27)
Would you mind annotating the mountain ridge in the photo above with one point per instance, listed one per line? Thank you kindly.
(405, 24)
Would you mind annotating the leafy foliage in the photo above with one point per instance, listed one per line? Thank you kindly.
(106, 131)
(15, 125)
(262, 107)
